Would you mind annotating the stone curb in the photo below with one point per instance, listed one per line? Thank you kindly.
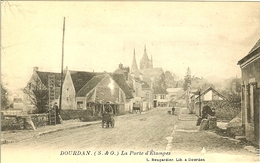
(3, 141)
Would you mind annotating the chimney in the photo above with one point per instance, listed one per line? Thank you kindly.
(121, 66)
(35, 69)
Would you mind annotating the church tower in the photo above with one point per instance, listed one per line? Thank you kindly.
(134, 65)
(145, 61)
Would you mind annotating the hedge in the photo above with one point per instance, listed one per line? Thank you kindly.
(83, 115)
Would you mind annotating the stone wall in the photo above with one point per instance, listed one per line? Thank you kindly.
(23, 122)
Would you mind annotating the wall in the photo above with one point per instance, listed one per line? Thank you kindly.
(10, 122)
(68, 93)
(249, 72)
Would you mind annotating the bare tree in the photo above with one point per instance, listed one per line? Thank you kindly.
(38, 94)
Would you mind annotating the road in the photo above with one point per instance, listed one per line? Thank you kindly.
(132, 132)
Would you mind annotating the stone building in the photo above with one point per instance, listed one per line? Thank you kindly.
(250, 70)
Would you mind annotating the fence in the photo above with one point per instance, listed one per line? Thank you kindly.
(225, 110)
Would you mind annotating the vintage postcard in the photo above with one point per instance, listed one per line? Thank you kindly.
(130, 81)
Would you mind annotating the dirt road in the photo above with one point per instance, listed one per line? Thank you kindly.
(132, 132)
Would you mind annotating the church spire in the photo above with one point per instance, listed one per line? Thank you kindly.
(145, 61)
(134, 65)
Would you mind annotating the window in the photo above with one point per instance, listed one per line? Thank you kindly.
(79, 104)
(155, 97)
(162, 96)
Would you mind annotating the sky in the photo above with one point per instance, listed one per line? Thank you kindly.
(208, 37)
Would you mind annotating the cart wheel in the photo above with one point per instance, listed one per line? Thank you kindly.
(102, 124)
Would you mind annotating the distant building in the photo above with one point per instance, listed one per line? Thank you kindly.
(250, 70)
(208, 97)
(145, 62)
(142, 91)
(160, 98)
(154, 77)
(174, 94)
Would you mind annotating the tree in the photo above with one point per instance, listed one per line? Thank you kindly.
(187, 80)
(186, 87)
(4, 99)
(38, 94)
(234, 90)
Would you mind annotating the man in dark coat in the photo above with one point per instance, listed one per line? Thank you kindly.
(57, 110)
(173, 110)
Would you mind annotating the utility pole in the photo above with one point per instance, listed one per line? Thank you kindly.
(199, 104)
(62, 58)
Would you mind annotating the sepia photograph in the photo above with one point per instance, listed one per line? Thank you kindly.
(130, 81)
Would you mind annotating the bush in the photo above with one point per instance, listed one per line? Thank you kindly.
(84, 115)
(227, 113)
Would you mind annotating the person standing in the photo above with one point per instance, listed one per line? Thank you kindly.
(173, 110)
(57, 111)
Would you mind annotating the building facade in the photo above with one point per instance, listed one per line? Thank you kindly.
(250, 71)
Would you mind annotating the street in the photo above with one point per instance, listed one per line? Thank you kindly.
(132, 132)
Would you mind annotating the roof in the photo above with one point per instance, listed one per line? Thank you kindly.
(91, 84)
(213, 90)
(194, 91)
(80, 78)
(121, 82)
(145, 57)
(159, 90)
(118, 71)
(150, 72)
(144, 85)
(104, 95)
(44, 77)
(251, 53)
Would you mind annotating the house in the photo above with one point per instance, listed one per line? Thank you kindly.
(160, 97)
(210, 94)
(90, 90)
(37, 89)
(250, 71)
(174, 94)
(146, 96)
